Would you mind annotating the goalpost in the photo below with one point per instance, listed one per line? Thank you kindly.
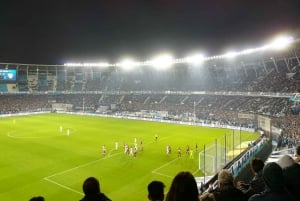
(212, 159)
(216, 155)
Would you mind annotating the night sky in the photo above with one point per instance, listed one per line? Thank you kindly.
(59, 31)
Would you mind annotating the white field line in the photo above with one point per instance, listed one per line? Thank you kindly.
(63, 186)
(155, 171)
(82, 165)
(92, 162)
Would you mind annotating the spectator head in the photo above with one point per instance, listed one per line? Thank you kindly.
(207, 197)
(156, 190)
(91, 186)
(273, 176)
(183, 188)
(225, 177)
(37, 198)
(256, 165)
(285, 161)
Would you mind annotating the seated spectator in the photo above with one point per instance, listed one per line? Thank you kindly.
(91, 189)
(37, 198)
(257, 184)
(274, 185)
(291, 174)
(156, 191)
(183, 188)
(226, 190)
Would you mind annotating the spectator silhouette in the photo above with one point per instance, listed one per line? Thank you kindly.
(226, 190)
(291, 174)
(91, 189)
(274, 185)
(183, 188)
(257, 184)
(156, 191)
(37, 198)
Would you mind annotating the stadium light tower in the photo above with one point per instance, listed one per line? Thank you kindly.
(195, 59)
(162, 62)
(281, 42)
(128, 64)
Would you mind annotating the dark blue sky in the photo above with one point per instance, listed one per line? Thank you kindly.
(58, 31)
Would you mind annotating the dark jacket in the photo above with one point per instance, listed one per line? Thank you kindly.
(97, 197)
(292, 179)
(229, 193)
(256, 185)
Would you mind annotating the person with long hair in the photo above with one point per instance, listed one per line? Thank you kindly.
(183, 188)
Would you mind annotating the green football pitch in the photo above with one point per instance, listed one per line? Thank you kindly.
(38, 158)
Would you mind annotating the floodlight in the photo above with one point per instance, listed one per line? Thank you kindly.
(99, 64)
(231, 54)
(162, 62)
(195, 59)
(281, 42)
(128, 64)
(249, 51)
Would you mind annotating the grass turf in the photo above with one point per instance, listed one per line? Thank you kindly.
(38, 159)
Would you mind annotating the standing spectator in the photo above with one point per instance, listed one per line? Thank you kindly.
(257, 184)
(156, 191)
(183, 188)
(91, 189)
(226, 190)
(275, 189)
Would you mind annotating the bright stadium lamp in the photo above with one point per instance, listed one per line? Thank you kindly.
(231, 55)
(128, 64)
(195, 59)
(281, 42)
(162, 62)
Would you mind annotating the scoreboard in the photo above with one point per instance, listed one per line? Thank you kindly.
(8, 75)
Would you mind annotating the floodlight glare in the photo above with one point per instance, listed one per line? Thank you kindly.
(231, 54)
(195, 59)
(162, 62)
(128, 64)
(281, 42)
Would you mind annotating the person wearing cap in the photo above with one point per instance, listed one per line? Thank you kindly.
(226, 190)
(275, 189)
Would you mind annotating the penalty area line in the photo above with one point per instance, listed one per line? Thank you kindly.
(155, 171)
(71, 169)
(63, 186)
(82, 165)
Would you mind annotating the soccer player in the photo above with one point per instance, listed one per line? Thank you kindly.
(103, 150)
(191, 154)
(156, 137)
(187, 150)
(141, 146)
(60, 129)
(116, 145)
(168, 149)
(179, 152)
(68, 132)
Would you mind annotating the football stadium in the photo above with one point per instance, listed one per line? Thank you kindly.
(131, 122)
